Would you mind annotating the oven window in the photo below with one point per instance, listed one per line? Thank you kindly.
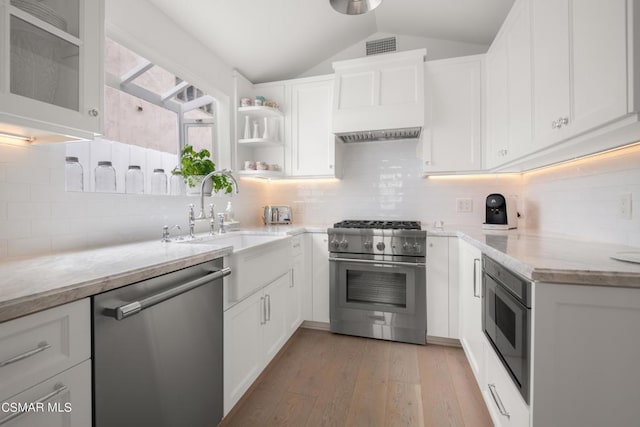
(376, 287)
(506, 321)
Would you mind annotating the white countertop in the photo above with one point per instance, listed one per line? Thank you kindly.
(30, 284)
(551, 258)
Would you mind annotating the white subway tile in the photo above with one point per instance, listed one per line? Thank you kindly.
(3, 248)
(30, 246)
(28, 210)
(15, 192)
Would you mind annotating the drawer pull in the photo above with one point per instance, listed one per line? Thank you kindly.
(496, 398)
(42, 346)
(57, 389)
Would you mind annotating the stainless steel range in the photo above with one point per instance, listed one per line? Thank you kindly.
(378, 280)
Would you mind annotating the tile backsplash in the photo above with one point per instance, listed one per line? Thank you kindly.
(582, 198)
(384, 181)
(38, 216)
(380, 181)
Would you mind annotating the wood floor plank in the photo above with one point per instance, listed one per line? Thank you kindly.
(293, 410)
(309, 379)
(439, 399)
(324, 379)
(403, 363)
(332, 404)
(473, 409)
(404, 405)
(255, 410)
(368, 404)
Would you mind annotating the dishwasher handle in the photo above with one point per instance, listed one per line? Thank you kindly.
(135, 307)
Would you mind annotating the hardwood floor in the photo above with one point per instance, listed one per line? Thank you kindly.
(324, 379)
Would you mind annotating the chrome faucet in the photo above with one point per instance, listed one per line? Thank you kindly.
(192, 221)
(224, 172)
(220, 223)
(212, 221)
(166, 233)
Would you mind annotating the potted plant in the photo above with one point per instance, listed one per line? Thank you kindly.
(194, 166)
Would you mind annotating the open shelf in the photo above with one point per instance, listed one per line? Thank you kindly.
(261, 174)
(260, 142)
(260, 111)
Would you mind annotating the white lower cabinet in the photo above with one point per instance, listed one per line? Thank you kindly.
(442, 287)
(61, 401)
(320, 250)
(254, 331)
(296, 285)
(45, 358)
(505, 404)
(470, 312)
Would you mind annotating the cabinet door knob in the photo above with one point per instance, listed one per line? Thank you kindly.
(93, 112)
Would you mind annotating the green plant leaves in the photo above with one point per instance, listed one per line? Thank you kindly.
(198, 163)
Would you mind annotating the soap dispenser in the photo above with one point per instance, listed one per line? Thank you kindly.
(228, 212)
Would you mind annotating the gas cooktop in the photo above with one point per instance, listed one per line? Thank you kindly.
(379, 225)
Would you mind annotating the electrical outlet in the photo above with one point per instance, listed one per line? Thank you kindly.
(464, 205)
(624, 206)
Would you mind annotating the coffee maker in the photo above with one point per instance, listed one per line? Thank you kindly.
(501, 213)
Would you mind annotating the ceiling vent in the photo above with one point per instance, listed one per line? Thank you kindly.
(376, 47)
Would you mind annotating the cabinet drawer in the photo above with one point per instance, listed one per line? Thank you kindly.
(64, 400)
(500, 390)
(39, 346)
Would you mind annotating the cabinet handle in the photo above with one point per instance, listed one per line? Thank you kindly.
(42, 346)
(475, 277)
(555, 124)
(93, 112)
(268, 301)
(496, 398)
(263, 311)
(330, 166)
(57, 389)
(563, 121)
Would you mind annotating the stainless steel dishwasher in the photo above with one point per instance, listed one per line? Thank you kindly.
(157, 350)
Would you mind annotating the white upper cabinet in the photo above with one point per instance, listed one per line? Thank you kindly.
(51, 82)
(312, 142)
(379, 92)
(508, 90)
(452, 135)
(580, 68)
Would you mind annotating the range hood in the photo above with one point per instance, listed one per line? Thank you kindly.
(380, 97)
(380, 135)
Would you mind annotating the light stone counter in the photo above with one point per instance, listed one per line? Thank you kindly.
(551, 258)
(30, 284)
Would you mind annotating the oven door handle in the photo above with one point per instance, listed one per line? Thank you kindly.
(386, 263)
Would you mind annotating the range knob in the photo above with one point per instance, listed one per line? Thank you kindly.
(368, 245)
(380, 246)
(334, 244)
(344, 244)
(417, 247)
(406, 247)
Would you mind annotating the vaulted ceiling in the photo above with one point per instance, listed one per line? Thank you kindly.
(277, 39)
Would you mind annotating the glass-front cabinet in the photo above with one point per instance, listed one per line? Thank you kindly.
(51, 72)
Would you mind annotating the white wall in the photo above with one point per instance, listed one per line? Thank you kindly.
(581, 198)
(436, 49)
(38, 216)
(384, 181)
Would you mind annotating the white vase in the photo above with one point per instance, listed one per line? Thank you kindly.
(265, 134)
(247, 128)
(256, 134)
(195, 191)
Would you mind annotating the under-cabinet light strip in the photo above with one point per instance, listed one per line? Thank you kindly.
(14, 137)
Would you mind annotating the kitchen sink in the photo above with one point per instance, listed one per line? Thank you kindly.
(257, 260)
(240, 240)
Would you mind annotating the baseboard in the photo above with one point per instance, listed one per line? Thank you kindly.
(321, 326)
(451, 342)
